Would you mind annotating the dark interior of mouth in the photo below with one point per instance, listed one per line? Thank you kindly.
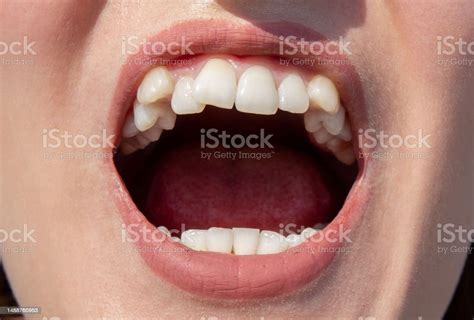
(181, 184)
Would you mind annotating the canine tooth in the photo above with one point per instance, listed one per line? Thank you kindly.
(216, 84)
(346, 156)
(323, 94)
(292, 94)
(164, 230)
(157, 84)
(322, 136)
(271, 242)
(182, 101)
(219, 240)
(245, 240)
(129, 129)
(194, 239)
(153, 134)
(256, 92)
(146, 115)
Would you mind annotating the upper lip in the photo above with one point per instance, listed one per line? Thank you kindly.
(227, 276)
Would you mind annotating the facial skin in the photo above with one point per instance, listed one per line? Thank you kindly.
(79, 265)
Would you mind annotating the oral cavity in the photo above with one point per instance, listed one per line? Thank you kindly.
(252, 87)
(241, 241)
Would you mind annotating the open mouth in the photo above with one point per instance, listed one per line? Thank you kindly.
(238, 174)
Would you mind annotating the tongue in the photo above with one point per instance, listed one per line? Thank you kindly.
(287, 187)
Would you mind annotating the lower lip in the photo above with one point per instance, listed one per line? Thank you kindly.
(226, 276)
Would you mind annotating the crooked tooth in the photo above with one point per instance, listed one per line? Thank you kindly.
(216, 84)
(219, 240)
(271, 242)
(146, 115)
(194, 239)
(129, 129)
(323, 94)
(182, 101)
(157, 84)
(245, 240)
(292, 94)
(256, 92)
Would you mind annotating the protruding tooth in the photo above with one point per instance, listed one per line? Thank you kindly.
(194, 239)
(219, 240)
(216, 84)
(129, 129)
(345, 133)
(182, 101)
(271, 242)
(164, 230)
(245, 240)
(322, 136)
(293, 240)
(157, 84)
(323, 94)
(346, 156)
(153, 134)
(146, 115)
(335, 123)
(292, 94)
(256, 92)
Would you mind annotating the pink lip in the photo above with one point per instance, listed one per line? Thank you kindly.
(221, 275)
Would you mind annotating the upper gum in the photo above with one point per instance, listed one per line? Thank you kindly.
(240, 64)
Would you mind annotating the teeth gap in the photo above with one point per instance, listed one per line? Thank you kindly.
(243, 241)
(219, 83)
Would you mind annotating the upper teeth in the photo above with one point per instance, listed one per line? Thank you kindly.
(160, 98)
(240, 241)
